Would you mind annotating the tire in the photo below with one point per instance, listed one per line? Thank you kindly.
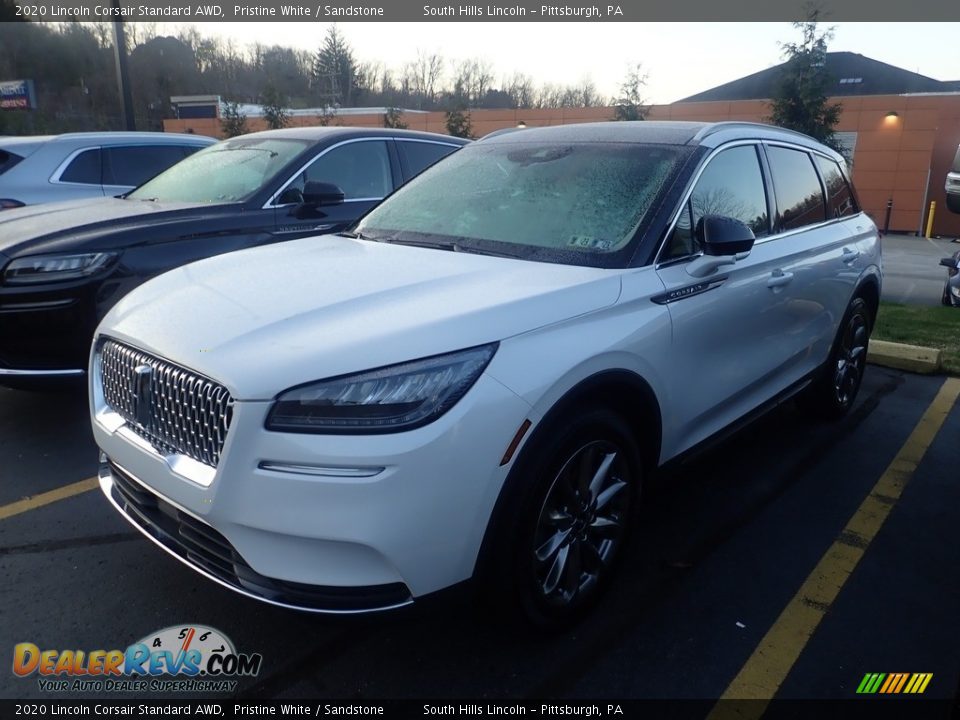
(945, 298)
(832, 394)
(568, 508)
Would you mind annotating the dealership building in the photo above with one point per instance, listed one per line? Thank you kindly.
(901, 129)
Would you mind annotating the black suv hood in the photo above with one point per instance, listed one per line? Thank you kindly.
(102, 223)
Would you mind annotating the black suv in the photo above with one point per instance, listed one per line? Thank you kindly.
(63, 265)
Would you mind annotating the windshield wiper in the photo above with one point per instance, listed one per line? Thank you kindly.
(452, 246)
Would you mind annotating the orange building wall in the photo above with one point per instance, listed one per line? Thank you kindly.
(891, 160)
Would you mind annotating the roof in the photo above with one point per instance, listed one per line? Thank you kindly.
(850, 74)
(122, 135)
(254, 110)
(656, 132)
(319, 132)
(640, 131)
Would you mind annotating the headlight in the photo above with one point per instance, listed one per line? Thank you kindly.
(53, 268)
(391, 399)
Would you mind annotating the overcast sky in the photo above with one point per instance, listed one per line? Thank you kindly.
(680, 58)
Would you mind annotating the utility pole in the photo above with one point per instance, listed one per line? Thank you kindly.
(123, 77)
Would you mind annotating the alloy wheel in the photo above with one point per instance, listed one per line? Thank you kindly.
(850, 359)
(582, 523)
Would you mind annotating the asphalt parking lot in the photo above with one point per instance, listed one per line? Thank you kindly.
(912, 274)
(788, 561)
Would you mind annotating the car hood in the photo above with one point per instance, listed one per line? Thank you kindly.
(265, 319)
(66, 226)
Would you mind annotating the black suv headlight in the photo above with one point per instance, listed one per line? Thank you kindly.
(53, 268)
(390, 399)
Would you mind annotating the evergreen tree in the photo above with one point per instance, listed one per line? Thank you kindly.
(274, 107)
(233, 121)
(393, 118)
(630, 104)
(458, 123)
(801, 101)
(334, 70)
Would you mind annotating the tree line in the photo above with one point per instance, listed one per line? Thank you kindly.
(73, 68)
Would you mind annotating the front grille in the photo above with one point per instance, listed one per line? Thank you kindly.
(202, 547)
(175, 409)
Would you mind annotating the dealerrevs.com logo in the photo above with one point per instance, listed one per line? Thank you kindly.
(180, 658)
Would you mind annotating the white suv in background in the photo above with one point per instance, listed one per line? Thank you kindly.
(952, 186)
(476, 381)
(75, 166)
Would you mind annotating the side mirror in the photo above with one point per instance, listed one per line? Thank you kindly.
(724, 240)
(949, 262)
(321, 193)
(720, 235)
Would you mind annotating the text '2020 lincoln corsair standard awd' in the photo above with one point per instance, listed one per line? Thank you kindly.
(475, 380)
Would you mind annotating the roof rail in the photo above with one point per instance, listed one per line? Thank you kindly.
(733, 124)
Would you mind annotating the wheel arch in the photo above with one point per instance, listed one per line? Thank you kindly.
(869, 289)
(625, 392)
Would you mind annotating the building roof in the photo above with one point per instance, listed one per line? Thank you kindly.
(850, 73)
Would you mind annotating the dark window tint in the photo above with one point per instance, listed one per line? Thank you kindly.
(8, 160)
(956, 162)
(84, 168)
(360, 169)
(420, 155)
(839, 196)
(799, 195)
(135, 164)
(732, 186)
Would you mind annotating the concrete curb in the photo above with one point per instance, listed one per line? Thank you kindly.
(905, 357)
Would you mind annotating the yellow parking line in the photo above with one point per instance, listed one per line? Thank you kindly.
(771, 661)
(36, 501)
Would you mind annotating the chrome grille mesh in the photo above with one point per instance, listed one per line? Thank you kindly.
(186, 413)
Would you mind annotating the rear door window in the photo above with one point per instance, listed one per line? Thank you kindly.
(84, 168)
(800, 199)
(133, 165)
(418, 156)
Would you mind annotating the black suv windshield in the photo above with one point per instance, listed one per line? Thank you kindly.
(229, 171)
(563, 202)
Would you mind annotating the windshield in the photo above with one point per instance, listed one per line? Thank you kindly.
(552, 201)
(956, 162)
(230, 171)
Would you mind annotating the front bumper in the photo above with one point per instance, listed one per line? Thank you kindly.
(326, 523)
(202, 548)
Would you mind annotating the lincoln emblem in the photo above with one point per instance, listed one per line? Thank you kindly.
(142, 377)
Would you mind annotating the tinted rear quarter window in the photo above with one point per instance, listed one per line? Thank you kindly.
(799, 194)
(135, 164)
(418, 156)
(8, 160)
(956, 162)
(840, 202)
(84, 168)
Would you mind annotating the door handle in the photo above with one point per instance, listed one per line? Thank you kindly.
(849, 255)
(778, 278)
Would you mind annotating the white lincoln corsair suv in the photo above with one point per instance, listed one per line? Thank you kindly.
(474, 382)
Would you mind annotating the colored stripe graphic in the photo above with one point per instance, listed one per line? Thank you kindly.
(894, 683)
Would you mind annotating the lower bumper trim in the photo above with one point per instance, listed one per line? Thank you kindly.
(209, 553)
(10, 372)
